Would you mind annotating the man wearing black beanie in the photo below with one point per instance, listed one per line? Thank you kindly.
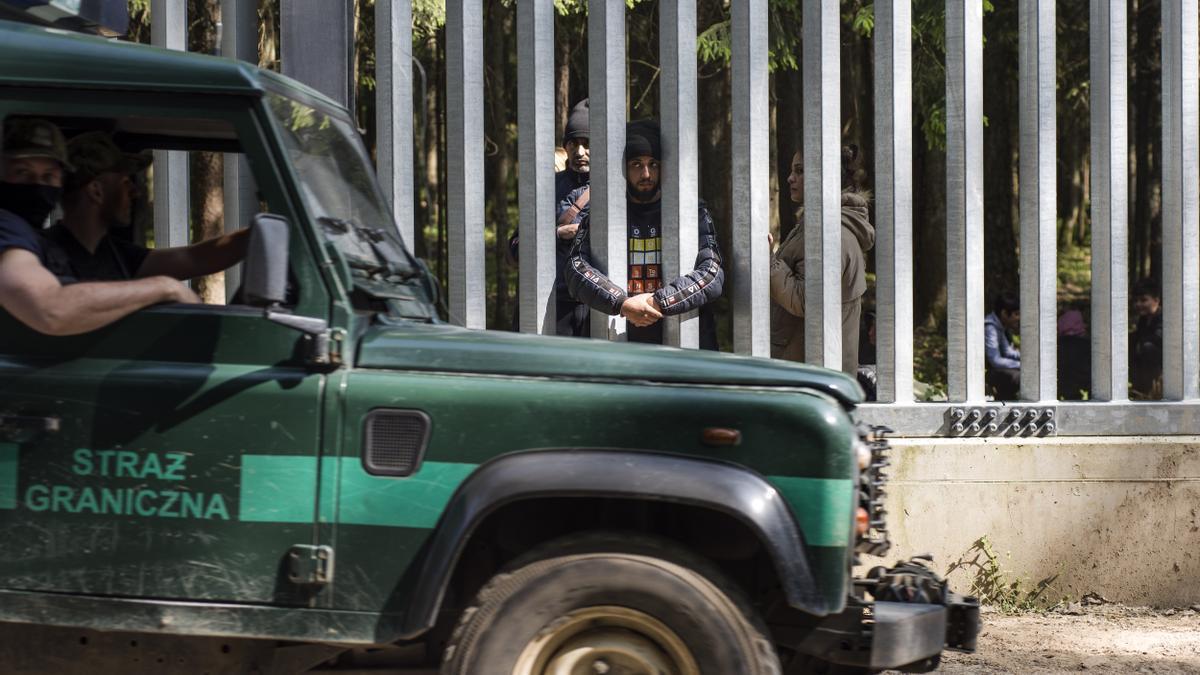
(648, 297)
(575, 141)
(571, 316)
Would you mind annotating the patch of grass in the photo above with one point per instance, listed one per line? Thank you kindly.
(996, 587)
(929, 363)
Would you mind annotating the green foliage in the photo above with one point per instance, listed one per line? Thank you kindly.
(429, 16)
(929, 362)
(861, 20)
(993, 585)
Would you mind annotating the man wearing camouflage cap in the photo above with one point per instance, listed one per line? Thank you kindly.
(98, 196)
(32, 163)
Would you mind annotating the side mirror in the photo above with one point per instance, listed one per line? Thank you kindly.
(265, 271)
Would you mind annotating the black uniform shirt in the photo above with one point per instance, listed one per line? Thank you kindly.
(114, 260)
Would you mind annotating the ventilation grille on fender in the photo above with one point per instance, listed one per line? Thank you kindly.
(395, 441)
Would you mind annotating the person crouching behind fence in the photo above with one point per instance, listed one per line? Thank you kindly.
(1001, 358)
(787, 265)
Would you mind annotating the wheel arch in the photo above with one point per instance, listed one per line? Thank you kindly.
(615, 476)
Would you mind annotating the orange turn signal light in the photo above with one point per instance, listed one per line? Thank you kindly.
(862, 521)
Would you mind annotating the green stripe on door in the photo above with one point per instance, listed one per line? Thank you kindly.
(8, 476)
(823, 506)
(278, 489)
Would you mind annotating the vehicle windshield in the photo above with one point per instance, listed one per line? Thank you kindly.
(340, 191)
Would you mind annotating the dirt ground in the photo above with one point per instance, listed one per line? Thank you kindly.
(1095, 639)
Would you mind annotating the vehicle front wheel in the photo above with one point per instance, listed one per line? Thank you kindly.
(614, 613)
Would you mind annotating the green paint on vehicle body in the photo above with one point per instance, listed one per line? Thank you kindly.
(415, 501)
(823, 506)
(8, 476)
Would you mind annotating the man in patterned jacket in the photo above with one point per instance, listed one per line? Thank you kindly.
(648, 297)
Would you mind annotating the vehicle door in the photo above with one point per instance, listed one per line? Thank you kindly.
(172, 454)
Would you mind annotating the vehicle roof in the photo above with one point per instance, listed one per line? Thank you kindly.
(49, 57)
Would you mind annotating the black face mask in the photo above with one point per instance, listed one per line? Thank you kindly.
(31, 202)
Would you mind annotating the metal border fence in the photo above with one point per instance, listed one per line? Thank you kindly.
(1109, 414)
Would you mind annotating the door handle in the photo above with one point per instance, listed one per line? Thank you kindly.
(24, 428)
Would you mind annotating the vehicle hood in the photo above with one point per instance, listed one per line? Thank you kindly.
(445, 348)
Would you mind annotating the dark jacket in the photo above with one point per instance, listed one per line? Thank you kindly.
(693, 290)
(565, 182)
(1146, 355)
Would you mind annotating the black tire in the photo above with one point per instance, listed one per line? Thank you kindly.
(536, 602)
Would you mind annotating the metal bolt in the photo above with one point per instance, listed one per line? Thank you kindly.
(1017, 414)
(1048, 427)
(975, 428)
(600, 667)
(958, 428)
(1049, 415)
(956, 413)
(975, 414)
(993, 428)
(990, 415)
(1032, 428)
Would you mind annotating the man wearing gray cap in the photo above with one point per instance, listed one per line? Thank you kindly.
(32, 163)
(97, 198)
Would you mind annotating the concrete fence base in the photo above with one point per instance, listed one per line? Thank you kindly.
(1116, 516)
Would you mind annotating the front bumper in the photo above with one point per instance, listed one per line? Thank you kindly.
(886, 634)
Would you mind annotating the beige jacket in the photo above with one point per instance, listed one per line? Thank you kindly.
(787, 284)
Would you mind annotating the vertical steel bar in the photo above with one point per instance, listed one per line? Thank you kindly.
(964, 199)
(751, 173)
(1180, 214)
(822, 184)
(394, 110)
(535, 118)
(239, 40)
(1039, 339)
(464, 170)
(893, 202)
(678, 92)
(317, 44)
(168, 28)
(606, 90)
(1109, 199)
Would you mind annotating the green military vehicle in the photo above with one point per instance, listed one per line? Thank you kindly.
(323, 477)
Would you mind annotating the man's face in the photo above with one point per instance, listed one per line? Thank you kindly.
(119, 191)
(642, 174)
(1145, 305)
(1011, 320)
(578, 155)
(33, 171)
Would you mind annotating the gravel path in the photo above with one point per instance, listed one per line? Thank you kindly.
(1097, 639)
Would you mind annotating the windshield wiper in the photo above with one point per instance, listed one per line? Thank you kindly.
(392, 262)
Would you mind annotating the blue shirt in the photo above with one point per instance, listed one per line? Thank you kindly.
(16, 233)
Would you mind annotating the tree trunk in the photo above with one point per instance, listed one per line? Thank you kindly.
(562, 88)
(929, 233)
(207, 173)
(1145, 253)
(1000, 219)
(500, 166)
